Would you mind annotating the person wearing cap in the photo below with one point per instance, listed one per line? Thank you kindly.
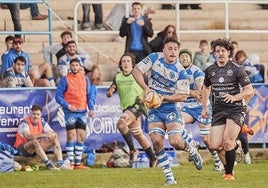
(36, 72)
(15, 51)
(75, 99)
(63, 66)
(191, 108)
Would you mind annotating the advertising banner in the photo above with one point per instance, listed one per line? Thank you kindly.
(15, 105)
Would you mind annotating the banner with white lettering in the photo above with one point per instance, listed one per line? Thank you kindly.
(15, 105)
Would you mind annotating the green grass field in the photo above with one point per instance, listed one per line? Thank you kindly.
(254, 175)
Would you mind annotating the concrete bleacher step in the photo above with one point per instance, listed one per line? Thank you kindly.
(105, 52)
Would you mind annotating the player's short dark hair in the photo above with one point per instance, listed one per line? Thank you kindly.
(36, 107)
(136, 3)
(75, 60)
(172, 40)
(203, 41)
(8, 38)
(71, 42)
(66, 33)
(133, 59)
(227, 44)
(20, 58)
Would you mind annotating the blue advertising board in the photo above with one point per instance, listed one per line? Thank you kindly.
(15, 105)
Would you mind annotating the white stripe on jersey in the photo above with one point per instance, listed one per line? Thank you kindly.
(164, 78)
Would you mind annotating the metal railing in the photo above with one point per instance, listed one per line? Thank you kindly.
(226, 29)
(47, 32)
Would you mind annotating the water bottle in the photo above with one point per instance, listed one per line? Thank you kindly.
(91, 157)
(143, 161)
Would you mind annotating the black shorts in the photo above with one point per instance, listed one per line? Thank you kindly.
(237, 114)
(77, 125)
(137, 108)
(135, 111)
(23, 152)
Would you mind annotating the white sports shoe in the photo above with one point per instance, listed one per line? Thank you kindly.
(197, 159)
(66, 165)
(239, 154)
(171, 181)
(218, 167)
(247, 158)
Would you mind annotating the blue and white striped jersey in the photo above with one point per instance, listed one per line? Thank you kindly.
(164, 78)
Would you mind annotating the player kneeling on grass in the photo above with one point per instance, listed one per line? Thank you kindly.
(130, 121)
(35, 137)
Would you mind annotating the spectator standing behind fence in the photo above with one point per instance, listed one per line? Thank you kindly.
(229, 84)
(44, 69)
(59, 49)
(114, 19)
(97, 8)
(34, 11)
(75, 99)
(157, 43)
(129, 122)
(35, 137)
(137, 28)
(16, 76)
(203, 58)
(14, 9)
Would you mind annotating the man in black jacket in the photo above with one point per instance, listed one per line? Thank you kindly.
(137, 29)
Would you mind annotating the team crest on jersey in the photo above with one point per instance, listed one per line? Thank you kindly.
(242, 120)
(151, 117)
(230, 72)
(171, 75)
(221, 79)
(171, 116)
(71, 120)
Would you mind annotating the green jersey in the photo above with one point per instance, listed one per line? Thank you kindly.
(128, 89)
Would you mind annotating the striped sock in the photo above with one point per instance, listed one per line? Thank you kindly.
(78, 150)
(164, 163)
(70, 151)
(48, 163)
(186, 137)
(60, 162)
(215, 156)
(189, 148)
(51, 81)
